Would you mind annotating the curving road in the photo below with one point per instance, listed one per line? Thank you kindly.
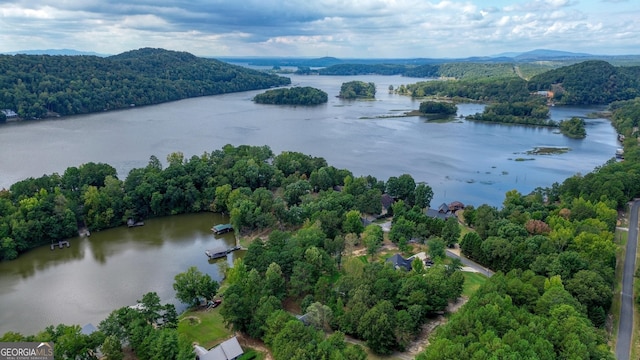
(625, 327)
(466, 262)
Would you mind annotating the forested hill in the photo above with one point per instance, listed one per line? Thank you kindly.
(589, 82)
(37, 85)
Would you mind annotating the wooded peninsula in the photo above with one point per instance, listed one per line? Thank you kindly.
(36, 86)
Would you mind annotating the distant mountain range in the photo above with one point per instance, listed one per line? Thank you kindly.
(69, 52)
(529, 56)
(519, 57)
(543, 53)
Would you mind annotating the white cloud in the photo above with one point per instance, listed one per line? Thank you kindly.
(365, 28)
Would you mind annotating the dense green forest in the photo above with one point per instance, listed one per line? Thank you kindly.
(292, 96)
(363, 69)
(37, 85)
(357, 90)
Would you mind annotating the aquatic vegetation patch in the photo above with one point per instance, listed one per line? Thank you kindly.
(548, 150)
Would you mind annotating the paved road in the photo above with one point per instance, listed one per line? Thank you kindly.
(625, 327)
(466, 262)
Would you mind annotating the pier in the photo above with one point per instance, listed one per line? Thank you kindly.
(220, 252)
(60, 243)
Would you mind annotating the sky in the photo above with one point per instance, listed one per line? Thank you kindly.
(316, 28)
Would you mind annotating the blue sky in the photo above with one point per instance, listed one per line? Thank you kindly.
(314, 28)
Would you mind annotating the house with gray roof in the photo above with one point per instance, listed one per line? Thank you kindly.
(399, 262)
(442, 212)
(227, 350)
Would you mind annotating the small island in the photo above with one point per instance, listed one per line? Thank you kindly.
(292, 96)
(438, 108)
(573, 128)
(357, 90)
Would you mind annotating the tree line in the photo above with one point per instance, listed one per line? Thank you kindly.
(36, 86)
(456, 70)
(589, 82)
(256, 187)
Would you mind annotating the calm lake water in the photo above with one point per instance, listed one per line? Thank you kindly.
(466, 161)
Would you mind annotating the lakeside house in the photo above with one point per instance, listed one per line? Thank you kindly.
(445, 211)
(442, 212)
(227, 350)
(387, 201)
(399, 262)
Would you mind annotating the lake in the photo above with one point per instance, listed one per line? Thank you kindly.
(466, 161)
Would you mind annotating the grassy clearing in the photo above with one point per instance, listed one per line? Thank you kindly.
(472, 282)
(206, 327)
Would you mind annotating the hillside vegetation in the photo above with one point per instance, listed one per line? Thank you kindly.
(37, 85)
(589, 82)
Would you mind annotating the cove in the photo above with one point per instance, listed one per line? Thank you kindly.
(110, 269)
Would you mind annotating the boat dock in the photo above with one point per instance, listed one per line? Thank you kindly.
(221, 228)
(220, 252)
(60, 243)
(132, 223)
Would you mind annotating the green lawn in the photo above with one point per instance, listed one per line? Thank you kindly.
(204, 327)
(472, 282)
